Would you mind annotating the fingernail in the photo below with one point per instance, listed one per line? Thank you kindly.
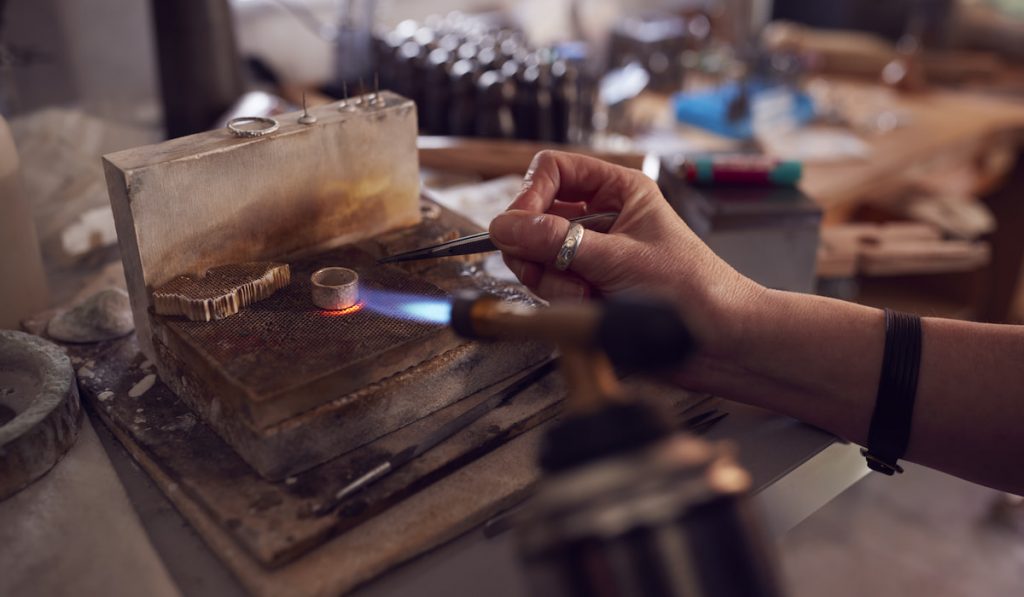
(505, 229)
(527, 179)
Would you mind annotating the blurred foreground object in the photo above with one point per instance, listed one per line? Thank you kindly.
(673, 518)
(626, 508)
(22, 281)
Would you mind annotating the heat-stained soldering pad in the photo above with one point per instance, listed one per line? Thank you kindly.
(290, 385)
(284, 355)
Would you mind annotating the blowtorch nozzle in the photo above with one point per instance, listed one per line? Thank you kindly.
(637, 333)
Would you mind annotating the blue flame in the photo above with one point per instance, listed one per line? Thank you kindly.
(429, 311)
(411, 307)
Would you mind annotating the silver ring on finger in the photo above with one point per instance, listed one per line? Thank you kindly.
(570, 245)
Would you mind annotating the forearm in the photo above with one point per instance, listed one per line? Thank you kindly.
(809, 357)
(819, 360)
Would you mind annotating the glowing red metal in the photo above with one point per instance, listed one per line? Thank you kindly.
(356, 307)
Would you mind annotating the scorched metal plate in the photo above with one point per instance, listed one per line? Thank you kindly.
(283, 355)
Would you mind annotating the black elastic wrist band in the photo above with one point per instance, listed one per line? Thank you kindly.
(897, 387)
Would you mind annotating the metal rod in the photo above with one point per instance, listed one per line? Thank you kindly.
(447, 430)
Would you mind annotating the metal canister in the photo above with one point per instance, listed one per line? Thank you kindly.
(672, 518)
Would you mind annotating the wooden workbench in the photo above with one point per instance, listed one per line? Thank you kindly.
(940, 123)
(796, 468)
(943, 126)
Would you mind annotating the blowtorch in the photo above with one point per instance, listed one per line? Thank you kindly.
(626, 506)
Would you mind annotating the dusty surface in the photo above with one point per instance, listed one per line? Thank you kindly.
(264, 531)
(74, 532)
(922, 533)
(273, 521)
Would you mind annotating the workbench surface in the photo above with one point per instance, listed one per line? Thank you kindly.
(796, 470)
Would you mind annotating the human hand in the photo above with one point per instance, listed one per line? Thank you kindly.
(648, 248)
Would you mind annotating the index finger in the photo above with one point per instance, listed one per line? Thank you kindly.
(571, 177)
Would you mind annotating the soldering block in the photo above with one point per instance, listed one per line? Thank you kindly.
(289, 385)
(187, 205)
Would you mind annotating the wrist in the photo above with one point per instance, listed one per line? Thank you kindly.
(738, 308)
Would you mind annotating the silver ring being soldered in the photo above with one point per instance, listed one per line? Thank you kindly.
(271, 123)
(335, 288)
(570, 245)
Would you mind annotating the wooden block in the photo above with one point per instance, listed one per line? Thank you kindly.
(843, 247)
(190, 204)
(923, 257)
(220, 292)
(272, 521)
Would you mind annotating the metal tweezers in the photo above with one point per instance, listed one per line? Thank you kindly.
(481, 242)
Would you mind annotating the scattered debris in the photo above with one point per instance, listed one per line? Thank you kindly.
(103, 316)
(104, 396)
(184, 423)
(85, 371)
(93, 229)
(143, 386)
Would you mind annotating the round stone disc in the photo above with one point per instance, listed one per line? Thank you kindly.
(40, 414)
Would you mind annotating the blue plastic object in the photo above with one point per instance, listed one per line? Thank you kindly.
(709, 108)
